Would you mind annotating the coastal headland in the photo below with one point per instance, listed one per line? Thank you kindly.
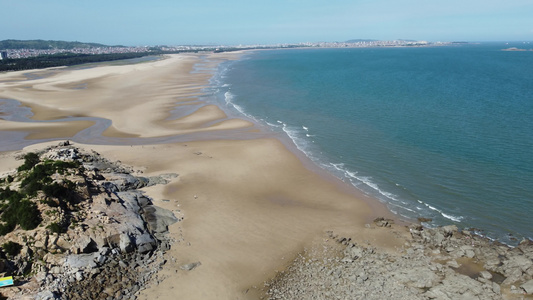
(257, 219)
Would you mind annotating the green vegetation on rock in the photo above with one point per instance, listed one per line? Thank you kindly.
(39, 177)
(56, 228)
(11, 248)
(30, 160)
(16, 208)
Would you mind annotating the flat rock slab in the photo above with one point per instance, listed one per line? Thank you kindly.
(528, 287)
(191, 266)
(158, 218)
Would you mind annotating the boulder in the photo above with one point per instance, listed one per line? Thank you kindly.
(143, 200)
(46, 295)
(528, 287)
(161, 179)
(145, 243)
(41, 241)
(126, 245)
(130, 200)
(83, 244)
(438, 238)
(468, 251)
(124, 182)
(191, 266)
(158, 218)
(516, 262)
(80, 261)
(79, 276)
(485, 274)
(449, 230)
(382, 222)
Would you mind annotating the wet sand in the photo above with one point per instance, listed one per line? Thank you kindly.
(250, 205)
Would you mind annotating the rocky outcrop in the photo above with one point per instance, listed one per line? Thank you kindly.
(439, 263)
(108, 239)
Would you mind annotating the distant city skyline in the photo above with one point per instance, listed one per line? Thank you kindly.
(230, 22)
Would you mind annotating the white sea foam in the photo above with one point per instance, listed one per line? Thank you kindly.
(293, 135)
(450, 217)
(366, 180)
(271, 124)
(228, 97)
(447, 216)
(397, 205)
(408, 209)
(405, 216)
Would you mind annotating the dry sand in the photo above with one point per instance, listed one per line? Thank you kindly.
(249, 205)
(136, 98)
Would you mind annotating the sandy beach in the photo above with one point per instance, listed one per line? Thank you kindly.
(257, 218)
(249, 205)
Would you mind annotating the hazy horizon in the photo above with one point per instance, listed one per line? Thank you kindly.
(208, 22)
(273, 44)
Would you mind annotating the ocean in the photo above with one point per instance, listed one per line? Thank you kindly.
(444, 133)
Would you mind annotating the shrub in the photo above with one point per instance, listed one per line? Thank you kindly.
(31, 188)
(30, 160)
(61, 166)
(51, 202)
(54, 227)
(28, 216)
(41, 174)
(56, 190)
(22, 212)
(6, 228)
(12, 248)
(10, 195)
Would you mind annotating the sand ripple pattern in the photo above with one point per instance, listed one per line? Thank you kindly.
(151, 102)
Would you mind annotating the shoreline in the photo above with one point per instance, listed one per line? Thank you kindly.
(284, 188)
(377, 205)
(437, 192)
(206, 112)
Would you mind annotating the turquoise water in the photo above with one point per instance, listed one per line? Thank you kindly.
(443, 132)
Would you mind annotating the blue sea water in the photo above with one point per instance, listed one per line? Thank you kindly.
(439, 132)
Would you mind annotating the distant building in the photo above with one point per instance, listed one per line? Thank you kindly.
(3, 54)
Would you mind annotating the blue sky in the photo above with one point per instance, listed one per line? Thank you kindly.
(266, 22)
